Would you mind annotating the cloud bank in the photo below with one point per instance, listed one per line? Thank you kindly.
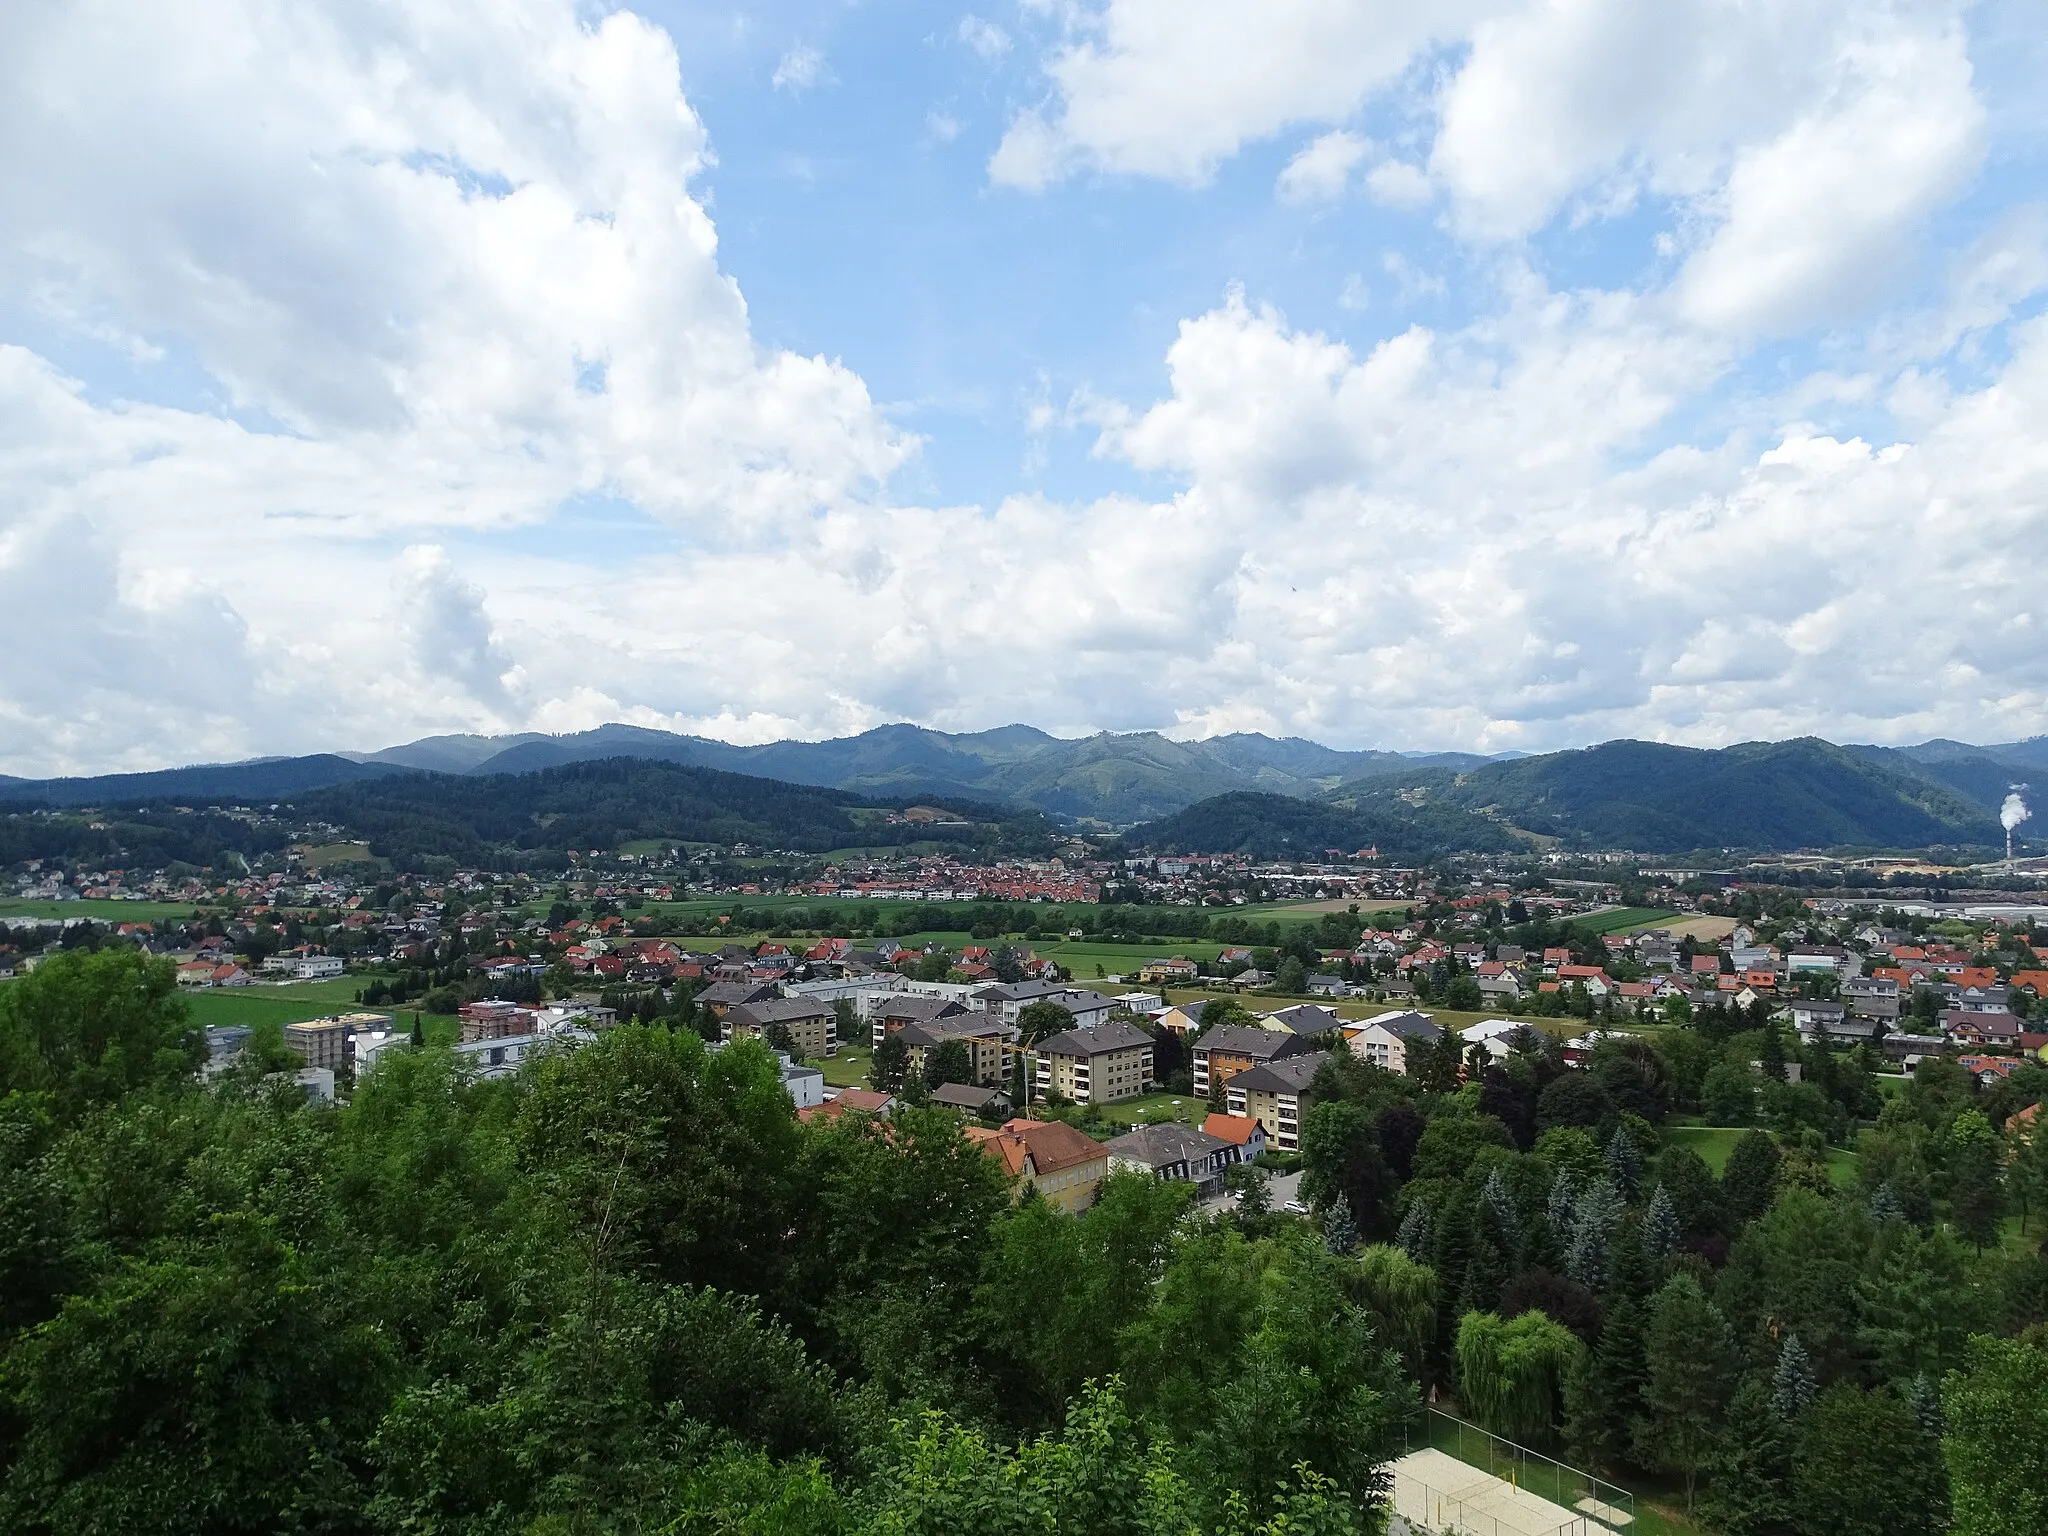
(439, 412)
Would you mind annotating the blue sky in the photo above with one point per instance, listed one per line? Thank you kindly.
(1486, 374)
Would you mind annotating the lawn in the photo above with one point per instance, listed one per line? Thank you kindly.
(99, 911)
(1622, 918)
(284, 1004)
(1712, 1142)
(1715, 1142)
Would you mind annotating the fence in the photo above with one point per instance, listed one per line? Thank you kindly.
(1595, 1504)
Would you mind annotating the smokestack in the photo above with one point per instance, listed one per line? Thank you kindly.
(2010, 815)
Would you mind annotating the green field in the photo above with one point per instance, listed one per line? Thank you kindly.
(1715, 1142)
(261, 1004)
(99, 911)
(1712, 1142)
(1622, 918)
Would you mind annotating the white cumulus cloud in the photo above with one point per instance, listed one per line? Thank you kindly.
(1320, 172)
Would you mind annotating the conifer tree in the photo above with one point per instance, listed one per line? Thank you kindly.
(1793, 1386)
(1884, 1206)
(1625, 1161)
(1597, 1212)
(1562, 1207)
(1748, 1474)
(1413, 1236)
(1340, 1232)
(1500, 1204)
(1660, 1227)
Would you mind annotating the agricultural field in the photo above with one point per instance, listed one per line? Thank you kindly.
(1623, 920)
(285, 1003)
(98, 911)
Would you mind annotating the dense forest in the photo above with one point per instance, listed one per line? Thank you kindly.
(496, 819)
(140, 837)
(1652, 797)
(628, 1290)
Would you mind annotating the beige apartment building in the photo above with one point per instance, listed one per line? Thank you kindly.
(1096, 1066)
(813, 1026)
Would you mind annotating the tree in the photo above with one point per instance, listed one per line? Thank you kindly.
(1401, 1294)
(1660, 1227)
(1864, 1467)
(1772, 1056)
(1976, 1188)
(890, 1064)
(948, 1062)
(1747, 1491)
(1573, 1099)
(1291, 978)
(1340, 1232)
(1511, 1373)
(86, 1027)
(1728, 1094)
(1793, 1387)
(1595, 1213)
(1042, 1020)
(1413, 1236)
(1749, 1179)
(1340, 1154)
(1625, 1161)
(1688, 1370)
(1997, 1457)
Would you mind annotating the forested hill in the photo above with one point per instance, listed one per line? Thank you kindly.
(1280, 827)
(619, 800)
(1624, 794)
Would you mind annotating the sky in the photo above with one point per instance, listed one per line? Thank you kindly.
(1487, 374)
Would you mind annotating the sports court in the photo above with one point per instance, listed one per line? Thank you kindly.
(1441, 1495)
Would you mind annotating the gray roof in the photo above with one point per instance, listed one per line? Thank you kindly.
(731, 992)
(918, 1010)
(1409, 1026)
(1100, 1041)
(1306, 1018)
(1259, 1044)
(1288, 1074)
(778, 1010)
(966, 1096)
(929, 1032)
(1159, 1146)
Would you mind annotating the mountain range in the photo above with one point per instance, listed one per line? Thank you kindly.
(1244, 792)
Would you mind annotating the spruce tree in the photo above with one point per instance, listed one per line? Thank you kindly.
(1924, 1398)
(1749, 1182)
(1413, 1236)
(1793, 1386)
(1660, 1227)
(1625, 1162)
(1340, 1232)
(1772, 1057)
(1562, 1208)
(1597, 1212)
(1500, 1204)
(1884, 1206)
(1748, 1474)
(1688, 1365)
(1604, 1399)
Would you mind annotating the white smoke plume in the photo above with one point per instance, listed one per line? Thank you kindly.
(2014, 811)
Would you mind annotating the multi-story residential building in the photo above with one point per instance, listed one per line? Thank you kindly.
(893, 1012)
(813, 1026)
(1096, 1066)
(1006, 1002)
(1228, 1049)
(1393, 1040)
(320, 1042)
(1062, 1165)
(1276, 1094)
(1174, 1151)
(983, 1038)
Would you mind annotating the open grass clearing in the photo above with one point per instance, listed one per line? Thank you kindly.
(1622, 920)
(267, 1004)
(98, 911)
